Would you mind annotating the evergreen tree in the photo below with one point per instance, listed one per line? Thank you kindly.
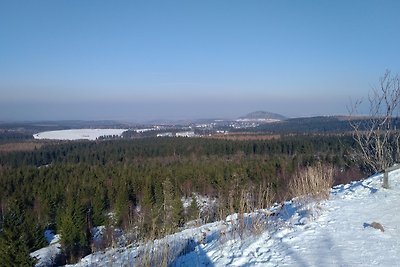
(16, 240)
(121, 206)
(177, 211)
(168, 195)
(74, 230)
(14, 249)
(193, 210)
(173, 207)
(98, 208)
(146, 208)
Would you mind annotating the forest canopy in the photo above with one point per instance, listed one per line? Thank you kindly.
(138, 184)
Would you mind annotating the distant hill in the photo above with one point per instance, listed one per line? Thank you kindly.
(263, 115)
(306, 125)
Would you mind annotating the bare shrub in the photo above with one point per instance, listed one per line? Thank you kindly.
(265, 197)
(154, 254)
(376, 135)
(250, 216)
(313, 182)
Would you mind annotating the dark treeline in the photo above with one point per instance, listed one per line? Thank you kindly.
(128, 150)
(314, 125)
(137, 185)
(10, 135)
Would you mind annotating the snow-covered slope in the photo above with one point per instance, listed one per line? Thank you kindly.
(335, 232)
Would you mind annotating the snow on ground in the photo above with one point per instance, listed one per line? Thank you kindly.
(335, 232)
(78, 134)
(204, 203)
(46, 256)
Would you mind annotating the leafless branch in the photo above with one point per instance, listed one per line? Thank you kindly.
(376, 135)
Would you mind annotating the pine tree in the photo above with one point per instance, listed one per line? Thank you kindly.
(121, 206)
(177, 212)
(193, 210)
(98, 209)
(35, 233)
(146, 208)
(173, 207)
(13, 247)
(74, 230)
(15, 238)
(168, 195)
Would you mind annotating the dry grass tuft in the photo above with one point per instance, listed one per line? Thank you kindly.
(313, 182)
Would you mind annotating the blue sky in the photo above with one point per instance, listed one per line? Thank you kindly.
(144, 60)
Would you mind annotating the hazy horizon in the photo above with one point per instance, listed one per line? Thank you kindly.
(100, 111)
(172, 60)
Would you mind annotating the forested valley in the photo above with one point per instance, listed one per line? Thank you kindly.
(138, 185)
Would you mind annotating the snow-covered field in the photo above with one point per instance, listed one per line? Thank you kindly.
(78, 134)
(335, 232)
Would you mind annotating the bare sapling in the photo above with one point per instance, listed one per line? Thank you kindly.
(376, 134)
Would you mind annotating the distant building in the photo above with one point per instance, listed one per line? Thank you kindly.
(165, 135)
(185, 134)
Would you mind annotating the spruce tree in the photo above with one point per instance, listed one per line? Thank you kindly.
(121, 206)
(98, 209)
(177, 211)
(74, 230)
(168, 194)
(16, 238)
(146, 209)
(193, 210)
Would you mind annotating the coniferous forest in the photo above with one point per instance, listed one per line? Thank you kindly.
(137, 186)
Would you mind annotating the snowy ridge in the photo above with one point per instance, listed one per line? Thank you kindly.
(335, 232)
